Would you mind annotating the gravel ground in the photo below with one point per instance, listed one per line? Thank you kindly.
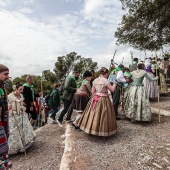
(138, 146)
(164, 102)
(45, 153)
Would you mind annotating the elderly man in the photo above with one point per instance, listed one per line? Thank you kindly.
(4, 123)
(70, 88)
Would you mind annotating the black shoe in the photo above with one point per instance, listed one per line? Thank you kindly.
(77, 127)
(73, 124)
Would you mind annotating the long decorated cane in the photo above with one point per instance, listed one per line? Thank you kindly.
(159, 115)
(131, 53)
(40, 103)
(122, 60)
(113, 58)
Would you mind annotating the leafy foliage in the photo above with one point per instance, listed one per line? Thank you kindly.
(146, 24)
(85, 64)
(63, 66)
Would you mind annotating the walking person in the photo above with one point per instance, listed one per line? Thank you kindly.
(81, 97)
(4, 122)
(70, 88)
(22, 134)
(137, 106)
(99, 117)
(54, 102)
(116, 75)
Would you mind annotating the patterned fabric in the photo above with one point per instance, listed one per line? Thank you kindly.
(4, 129)
(151, 86)
(22, 134)
(4, 162)
(3, 141)
(136, 103)
(163, 86)
(4, 111)
(101, 121)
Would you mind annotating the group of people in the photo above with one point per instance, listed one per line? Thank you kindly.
(96, 109)
(17, 117)
(132, 88)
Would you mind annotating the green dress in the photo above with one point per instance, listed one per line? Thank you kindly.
(136, 100)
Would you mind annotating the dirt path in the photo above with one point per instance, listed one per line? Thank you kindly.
(45, 153)
(138, 146)
(164, 103)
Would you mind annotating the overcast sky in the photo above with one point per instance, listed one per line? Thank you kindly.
(33, 33)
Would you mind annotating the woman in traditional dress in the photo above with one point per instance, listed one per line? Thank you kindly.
(81, 97)
(99, 117)
(137, 106)
(22, 134)
(150, 86)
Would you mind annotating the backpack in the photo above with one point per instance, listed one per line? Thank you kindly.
(61, 89)
(47, 97)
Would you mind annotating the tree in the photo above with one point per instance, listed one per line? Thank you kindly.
(72, 61)
(85, 64)
(65, 64)
(37, 81)
(146, 26)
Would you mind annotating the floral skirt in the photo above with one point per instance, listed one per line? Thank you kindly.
(136, 104)
(99, 117)
(21, 135)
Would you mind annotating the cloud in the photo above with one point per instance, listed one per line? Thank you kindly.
(25, 10)
(5, 3)
(31, 41)
(28, 2)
